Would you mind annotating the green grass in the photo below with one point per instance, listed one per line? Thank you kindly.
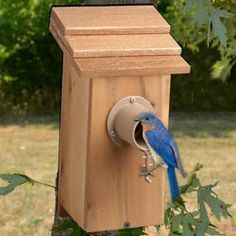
(28, 147)
(210, 139)
(31, 147)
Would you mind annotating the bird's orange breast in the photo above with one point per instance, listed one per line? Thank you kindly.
(148, 127)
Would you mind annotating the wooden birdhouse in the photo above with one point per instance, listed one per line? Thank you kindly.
(117, 62)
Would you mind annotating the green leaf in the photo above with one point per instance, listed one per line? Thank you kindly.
(189, 5)
(176, 221)
(218, 207)
(195, 185)
(193, 182)
(204, 13)
(29, 180)
(197, 167)
(188, 221)
(202, 225)
(213, 231)
(13, 180)
(174, 234)
(131, 232)
(77, 232)
(218, 27)
(70, 226)
(167, 217)
(66, 224)
(202, 211)
(158, 228)
(179, 202)
(221, 69)
(201, 16)
(180, 221)
(195, 213)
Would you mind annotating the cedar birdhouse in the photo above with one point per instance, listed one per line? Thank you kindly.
(117, 63)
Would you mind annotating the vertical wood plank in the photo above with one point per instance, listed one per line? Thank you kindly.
(73, 141)
(115, 193)
(160, 97)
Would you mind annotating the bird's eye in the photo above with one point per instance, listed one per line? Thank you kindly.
(146, 118)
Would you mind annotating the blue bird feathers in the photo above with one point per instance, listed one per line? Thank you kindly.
(160, 140)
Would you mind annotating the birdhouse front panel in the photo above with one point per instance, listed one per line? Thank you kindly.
(117, 194)
(111, 53)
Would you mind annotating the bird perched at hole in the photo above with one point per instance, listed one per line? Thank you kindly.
(158, 138)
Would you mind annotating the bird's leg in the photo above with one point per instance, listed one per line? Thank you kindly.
(158, 165)
(145, 171)
(163, 165)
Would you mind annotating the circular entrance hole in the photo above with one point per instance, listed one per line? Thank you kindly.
(138, 137)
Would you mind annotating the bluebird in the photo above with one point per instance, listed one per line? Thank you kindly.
(159, 141)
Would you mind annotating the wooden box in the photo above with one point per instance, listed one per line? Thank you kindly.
(110, 53)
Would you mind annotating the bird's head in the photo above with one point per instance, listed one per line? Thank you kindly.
(147, 119)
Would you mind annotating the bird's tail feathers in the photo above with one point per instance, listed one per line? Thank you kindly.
(182, 171)
(174, 189)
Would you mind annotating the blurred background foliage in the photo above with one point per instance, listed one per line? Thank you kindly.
(31, 61)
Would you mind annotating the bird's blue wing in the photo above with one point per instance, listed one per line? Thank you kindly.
(169, 141)
(159, 142)
(175, 149)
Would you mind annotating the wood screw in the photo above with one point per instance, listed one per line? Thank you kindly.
(126, 225)
(132, 100)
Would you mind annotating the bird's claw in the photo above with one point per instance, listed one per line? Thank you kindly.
(163, 165)
(148, 179)
(147, 173)
(159, 165)
(147, 169)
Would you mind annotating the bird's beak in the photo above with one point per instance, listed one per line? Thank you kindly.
(137, 120)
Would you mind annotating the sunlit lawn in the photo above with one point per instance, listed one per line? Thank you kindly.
(30, 146)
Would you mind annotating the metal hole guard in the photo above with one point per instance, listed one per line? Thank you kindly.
(121, 124)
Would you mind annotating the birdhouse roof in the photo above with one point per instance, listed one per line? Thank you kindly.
(117, 40)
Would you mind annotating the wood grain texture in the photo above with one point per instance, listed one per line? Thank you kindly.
(132, 66)
(162, 99)
(122, 45)
(115, 192)
(73, 141)
(109, 20)
(117, 53)
(100, 186)
(57, 35)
